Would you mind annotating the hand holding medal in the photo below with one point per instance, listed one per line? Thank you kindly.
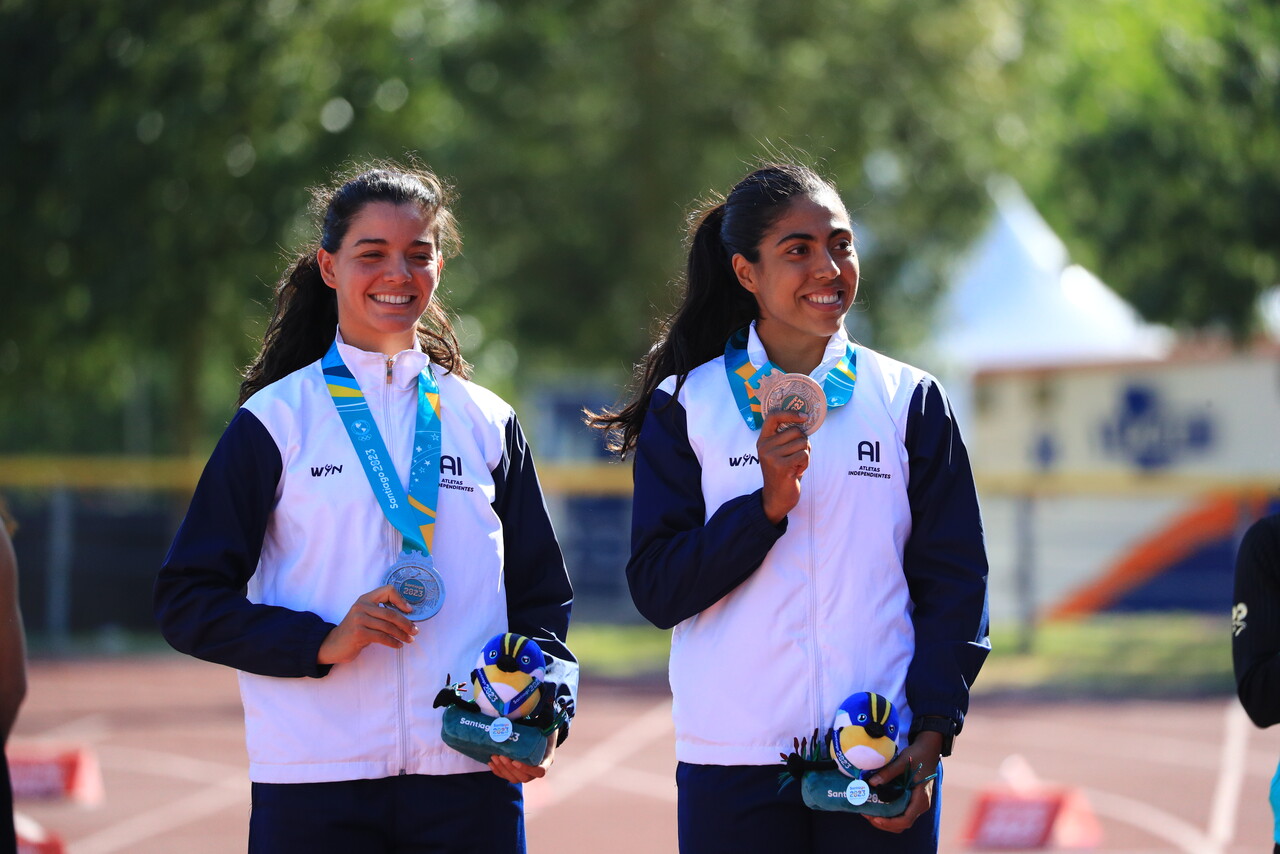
(781, 392)
(794, 407)
(376, 617)
(772, 401)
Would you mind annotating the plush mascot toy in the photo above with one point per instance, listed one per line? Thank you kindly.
(508, 675)
(831, 767)
(509, 714)
(864, 736)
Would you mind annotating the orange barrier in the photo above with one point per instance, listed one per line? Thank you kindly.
(55, 772)
(1022, 813)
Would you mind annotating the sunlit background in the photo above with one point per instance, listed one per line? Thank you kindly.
(1069, 211)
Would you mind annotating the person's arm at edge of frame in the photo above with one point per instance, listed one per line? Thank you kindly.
(680, 566)
(1255, 641)
(13, 654)
(199, 597)
(946, 568)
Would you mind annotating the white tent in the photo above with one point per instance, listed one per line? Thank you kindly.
(1016, 301)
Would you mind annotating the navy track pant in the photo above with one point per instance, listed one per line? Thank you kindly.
(410, 814)
(729, 809)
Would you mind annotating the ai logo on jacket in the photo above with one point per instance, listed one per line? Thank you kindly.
(869, 455)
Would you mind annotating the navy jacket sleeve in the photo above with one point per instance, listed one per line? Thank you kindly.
(1255, 620)
(680, 566)
(199, 596)
(945, 561)
(539, 594)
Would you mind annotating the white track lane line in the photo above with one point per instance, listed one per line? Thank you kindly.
(161, 764)
(1226, 795)
(602, 760)
(92, 727)
(1148, 749)
(231, 788)
(122, 836)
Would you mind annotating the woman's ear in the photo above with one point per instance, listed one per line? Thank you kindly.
(745, 271)
(324, 260)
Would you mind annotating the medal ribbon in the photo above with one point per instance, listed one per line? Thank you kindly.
(413, 514)
(744, 378)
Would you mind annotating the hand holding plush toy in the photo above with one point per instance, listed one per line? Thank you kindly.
(512, 714)
(831, 767)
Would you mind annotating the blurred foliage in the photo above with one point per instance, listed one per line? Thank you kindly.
(160, 159)
(1150, 142)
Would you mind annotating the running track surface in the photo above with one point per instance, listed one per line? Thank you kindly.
(167, 732)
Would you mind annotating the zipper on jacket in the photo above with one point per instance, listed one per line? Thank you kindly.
(820, 713)
(402, 724)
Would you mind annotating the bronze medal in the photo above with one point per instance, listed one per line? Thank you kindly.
(797, 393)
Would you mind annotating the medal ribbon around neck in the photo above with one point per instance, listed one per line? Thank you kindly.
(413, 514)
(744, 378)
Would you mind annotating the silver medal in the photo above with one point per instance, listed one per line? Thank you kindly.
(416, 579)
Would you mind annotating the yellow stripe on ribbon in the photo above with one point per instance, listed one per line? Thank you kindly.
(428, 532)
(343, 391)
(413, 502)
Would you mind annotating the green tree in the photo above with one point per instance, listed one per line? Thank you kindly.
(1149, 140)
(161, 157)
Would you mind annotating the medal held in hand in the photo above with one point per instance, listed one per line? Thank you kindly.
(795, 393)
(415, 578)
(760, 391)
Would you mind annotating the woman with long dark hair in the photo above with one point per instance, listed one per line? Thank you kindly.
(805, 518)
(369, 519)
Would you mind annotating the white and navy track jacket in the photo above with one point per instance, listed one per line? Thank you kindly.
(284, 510)
(875, 581)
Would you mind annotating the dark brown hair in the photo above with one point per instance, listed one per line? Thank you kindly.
(714, 304)
(306, 312)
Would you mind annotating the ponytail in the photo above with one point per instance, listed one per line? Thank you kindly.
(714, 304)
(301, 328)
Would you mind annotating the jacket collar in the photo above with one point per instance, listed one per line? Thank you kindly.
(836, 346)
(372, 367)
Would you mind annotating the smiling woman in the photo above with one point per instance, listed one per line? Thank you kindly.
(383, 206)
(384, 275)
(803, 507)
(327, 560)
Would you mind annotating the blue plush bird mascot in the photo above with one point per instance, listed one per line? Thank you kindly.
(510, 714)
(830, 767)
(506, 679)
(864, 736)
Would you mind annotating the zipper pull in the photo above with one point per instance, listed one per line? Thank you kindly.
(391, 360)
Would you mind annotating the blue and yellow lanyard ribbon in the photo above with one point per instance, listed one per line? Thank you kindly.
(413, 514)
(744, 378)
